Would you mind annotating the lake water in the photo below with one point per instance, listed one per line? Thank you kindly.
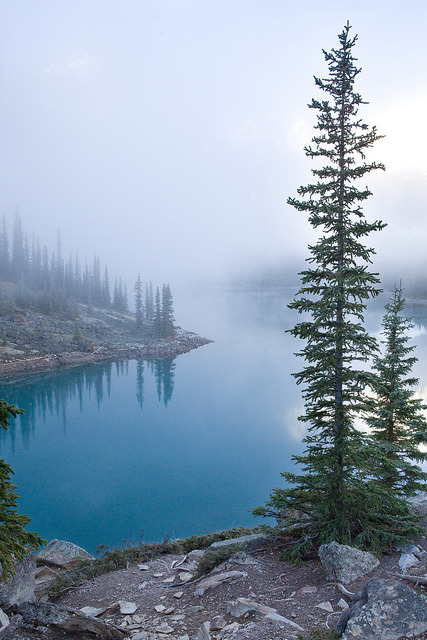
(141, 450)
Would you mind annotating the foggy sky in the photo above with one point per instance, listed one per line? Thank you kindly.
(166, 136)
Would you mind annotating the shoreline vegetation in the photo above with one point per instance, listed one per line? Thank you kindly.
(33, 343)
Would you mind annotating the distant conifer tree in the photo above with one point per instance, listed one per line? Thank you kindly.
(167, 316)
(4, 252)
(157, 321)
(138, 303)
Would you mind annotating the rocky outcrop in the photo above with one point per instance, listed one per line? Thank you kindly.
(59, 553)
(21, 586)
(387, 609)
(251, 542)
(345, 564)
(36, 619)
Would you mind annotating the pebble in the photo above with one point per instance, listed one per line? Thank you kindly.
(178, 594)
(184, 576)
(158, 575)
(127, 607)
(308, 589)
(159, 608)
(164, 628)
(326, 606)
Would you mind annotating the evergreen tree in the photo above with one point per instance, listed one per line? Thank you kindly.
(394, 415)
(138, 302)
(15, 541)
(149, 302)
(106, 298)
(336, 490)
(167, 317)
(157, 320)
(4, 252)
(18, 257)
(125, 299)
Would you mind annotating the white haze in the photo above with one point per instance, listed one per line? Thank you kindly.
(166, 136)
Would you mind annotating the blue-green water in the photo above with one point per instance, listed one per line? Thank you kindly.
(137, 450)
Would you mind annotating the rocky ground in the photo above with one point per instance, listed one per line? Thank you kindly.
(167, 606)
(33, 342)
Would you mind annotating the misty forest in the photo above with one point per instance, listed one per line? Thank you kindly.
(298, 383)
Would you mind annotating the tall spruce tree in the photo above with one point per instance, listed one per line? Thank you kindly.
(394, 415)
(335, 490)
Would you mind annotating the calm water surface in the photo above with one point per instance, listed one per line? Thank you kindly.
(140, 450)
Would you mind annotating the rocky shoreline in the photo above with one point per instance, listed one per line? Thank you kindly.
(182, 343)
(33, 343)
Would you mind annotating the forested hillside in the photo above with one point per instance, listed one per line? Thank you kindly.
(32, 277)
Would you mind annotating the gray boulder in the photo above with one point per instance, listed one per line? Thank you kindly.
(38, 615)
(59, 553)
(418, 505)
(387, 609)
(345, 564)
(21, 586)
(253, 541)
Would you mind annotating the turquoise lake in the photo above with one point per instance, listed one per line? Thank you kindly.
(137, 450)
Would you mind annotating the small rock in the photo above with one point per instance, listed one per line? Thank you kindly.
(46, 572)
(158, 575)
(217, 623)
(4, 620)
(307, 589)
(142, 585)
(178, 594)
(326, 606)
(178, 617)
(203, 632)
(159, 608)
(232, 628)
(127, 608)
(164, 628)
(143, 567)
(168, 611)
(138, 618)
(342, 603)
(93, 611)
(408, 560)
(168, 580)
(195, 608)
(184, 576)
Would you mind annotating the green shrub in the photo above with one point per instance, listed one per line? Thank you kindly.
(215, 557)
